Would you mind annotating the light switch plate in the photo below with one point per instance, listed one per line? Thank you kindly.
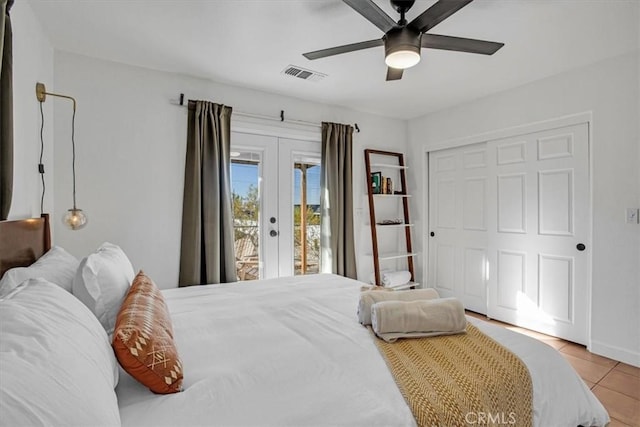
(632, 215)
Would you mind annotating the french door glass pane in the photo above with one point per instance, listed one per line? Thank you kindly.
(306, 216)
(245, 175)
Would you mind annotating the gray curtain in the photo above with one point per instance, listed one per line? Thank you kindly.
(207, 247)
(336, 201)
(6, 110)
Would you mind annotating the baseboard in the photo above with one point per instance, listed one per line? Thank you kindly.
(618, 353)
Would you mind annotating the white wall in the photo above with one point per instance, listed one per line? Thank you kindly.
(611, 91)
(32, 62)
(130, 144)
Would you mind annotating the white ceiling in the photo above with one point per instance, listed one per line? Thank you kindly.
(249, 43)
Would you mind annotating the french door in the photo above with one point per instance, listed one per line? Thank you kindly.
(276, 202)
(509, 223)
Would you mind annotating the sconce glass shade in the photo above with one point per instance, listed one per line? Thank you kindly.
(75, 219)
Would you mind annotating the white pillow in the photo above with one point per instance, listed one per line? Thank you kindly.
(56, 266)
(56, 364)
(102, 281)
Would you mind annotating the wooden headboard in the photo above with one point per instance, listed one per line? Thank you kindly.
(23, 241)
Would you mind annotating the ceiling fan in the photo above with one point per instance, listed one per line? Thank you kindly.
(403, 40)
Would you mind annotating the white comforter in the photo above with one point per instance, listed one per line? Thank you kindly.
(291, 352)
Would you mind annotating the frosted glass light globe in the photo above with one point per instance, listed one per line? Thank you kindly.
(75, 219)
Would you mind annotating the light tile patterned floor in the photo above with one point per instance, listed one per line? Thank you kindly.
(616, 384)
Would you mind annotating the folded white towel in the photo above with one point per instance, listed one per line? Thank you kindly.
(372, 278)
(368, 298)
(423, 318)
(396, 278)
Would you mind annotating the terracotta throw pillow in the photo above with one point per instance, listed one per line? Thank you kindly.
(143, 338)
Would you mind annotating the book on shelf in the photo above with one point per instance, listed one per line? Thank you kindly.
(381, 184)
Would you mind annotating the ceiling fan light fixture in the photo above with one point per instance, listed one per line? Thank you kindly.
(402, 48)
(402, 59)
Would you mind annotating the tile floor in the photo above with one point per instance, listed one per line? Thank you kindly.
(616, 384)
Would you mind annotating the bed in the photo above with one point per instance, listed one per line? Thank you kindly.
(286, 351)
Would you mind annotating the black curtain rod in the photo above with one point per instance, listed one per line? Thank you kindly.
(282, 118)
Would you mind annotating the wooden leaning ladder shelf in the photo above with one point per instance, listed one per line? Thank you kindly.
(400, 194)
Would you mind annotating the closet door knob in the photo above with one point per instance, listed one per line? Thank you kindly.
(581, 247)
(432, 234)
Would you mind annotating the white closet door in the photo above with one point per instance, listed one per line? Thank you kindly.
(539, 273)
(509, 218)
(458, 186)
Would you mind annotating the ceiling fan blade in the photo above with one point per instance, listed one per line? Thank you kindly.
(343, 49)
(372, 13)
(394, 73)
(437, 13)
(460, 44)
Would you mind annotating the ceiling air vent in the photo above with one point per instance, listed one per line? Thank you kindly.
(303, 73)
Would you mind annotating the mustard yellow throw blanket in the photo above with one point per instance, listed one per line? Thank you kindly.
(460, 380)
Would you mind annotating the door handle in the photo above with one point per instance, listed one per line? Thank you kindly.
(581, 247)
(273, 233)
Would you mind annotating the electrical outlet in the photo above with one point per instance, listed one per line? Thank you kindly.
(632, 215)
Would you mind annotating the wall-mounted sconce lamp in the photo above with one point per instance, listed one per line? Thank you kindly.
(75, 218)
